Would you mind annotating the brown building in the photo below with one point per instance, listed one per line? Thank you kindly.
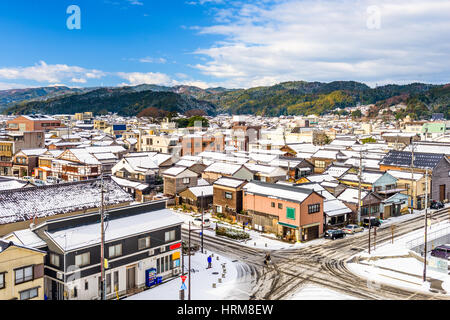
(25, 161)
(33, 123)
(293, 213)
(12, 142)
(227, 197)
(177, 179)
(196, 198)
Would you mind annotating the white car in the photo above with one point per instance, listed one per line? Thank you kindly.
(352, 228)
(39, 183)
(198, 222)
(52, 180)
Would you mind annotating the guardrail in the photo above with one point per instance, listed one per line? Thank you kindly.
(434, 239)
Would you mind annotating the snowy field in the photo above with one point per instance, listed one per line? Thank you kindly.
(202, 280)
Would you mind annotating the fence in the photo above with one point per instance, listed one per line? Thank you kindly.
(434, 239)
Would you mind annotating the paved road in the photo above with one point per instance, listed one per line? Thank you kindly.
(322, 264)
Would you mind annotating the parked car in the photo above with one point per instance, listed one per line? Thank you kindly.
(39, 183)
(441, 251)
(27, 178)
(334, 234)
(374, 222)
(436, 205)
(206, 222)
(352, 228)
(53, 180)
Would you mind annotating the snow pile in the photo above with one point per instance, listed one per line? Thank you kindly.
(202, 280)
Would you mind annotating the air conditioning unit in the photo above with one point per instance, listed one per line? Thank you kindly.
(59, 275)
(175, 272)
(151, 252)
(162, 249)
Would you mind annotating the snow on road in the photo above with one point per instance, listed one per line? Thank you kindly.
(312, 292)
(258, 240)
(202, 280)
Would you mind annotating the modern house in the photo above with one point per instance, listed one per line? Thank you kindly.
(140, 240)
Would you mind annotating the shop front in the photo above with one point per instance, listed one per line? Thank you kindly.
(288, 232)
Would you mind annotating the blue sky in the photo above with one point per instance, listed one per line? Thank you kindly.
(223, 43)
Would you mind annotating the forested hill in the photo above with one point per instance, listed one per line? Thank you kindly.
(287, 98)
(124, 101)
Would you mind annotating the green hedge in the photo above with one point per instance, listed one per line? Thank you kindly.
(232, 233)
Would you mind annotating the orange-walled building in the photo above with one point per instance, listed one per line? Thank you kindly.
(293, 213)
(33, 123)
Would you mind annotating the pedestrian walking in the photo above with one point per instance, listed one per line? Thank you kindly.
(209, 262)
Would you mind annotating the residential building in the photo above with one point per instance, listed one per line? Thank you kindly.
(227, 197)
(438, 166)
(293, 213)
(33, 123)
(21, 272)
(177, 179)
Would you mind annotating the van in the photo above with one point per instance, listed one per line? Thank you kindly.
(374, 222)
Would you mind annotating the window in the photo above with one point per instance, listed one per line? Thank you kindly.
(228, 195)
(2, 280)
(54, 259)
(186, 180)
(374, 209)
(108, 283)
(75, 292)
(86, 285)
(272, 204)
(83, 259)
(144, 243)
(115, 250)
(290, 213)
(280, 206)
(29, 294)
(320, 164)
(116, 280)
(23, 274)
(170, 236)
(313, 208)
(219, 209)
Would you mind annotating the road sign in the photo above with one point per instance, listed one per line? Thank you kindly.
(183, 286)
(183, 278)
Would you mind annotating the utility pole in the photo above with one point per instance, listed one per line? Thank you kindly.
(359, 187)
(189, 271)
(102, 244)
(412, 178)
(426, 227)
(201, 204)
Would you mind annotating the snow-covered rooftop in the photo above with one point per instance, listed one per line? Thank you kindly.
(25, 204)
(88, 235)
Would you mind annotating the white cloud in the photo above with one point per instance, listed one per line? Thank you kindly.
(272, 41)
(136, 78)
(43, 72)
